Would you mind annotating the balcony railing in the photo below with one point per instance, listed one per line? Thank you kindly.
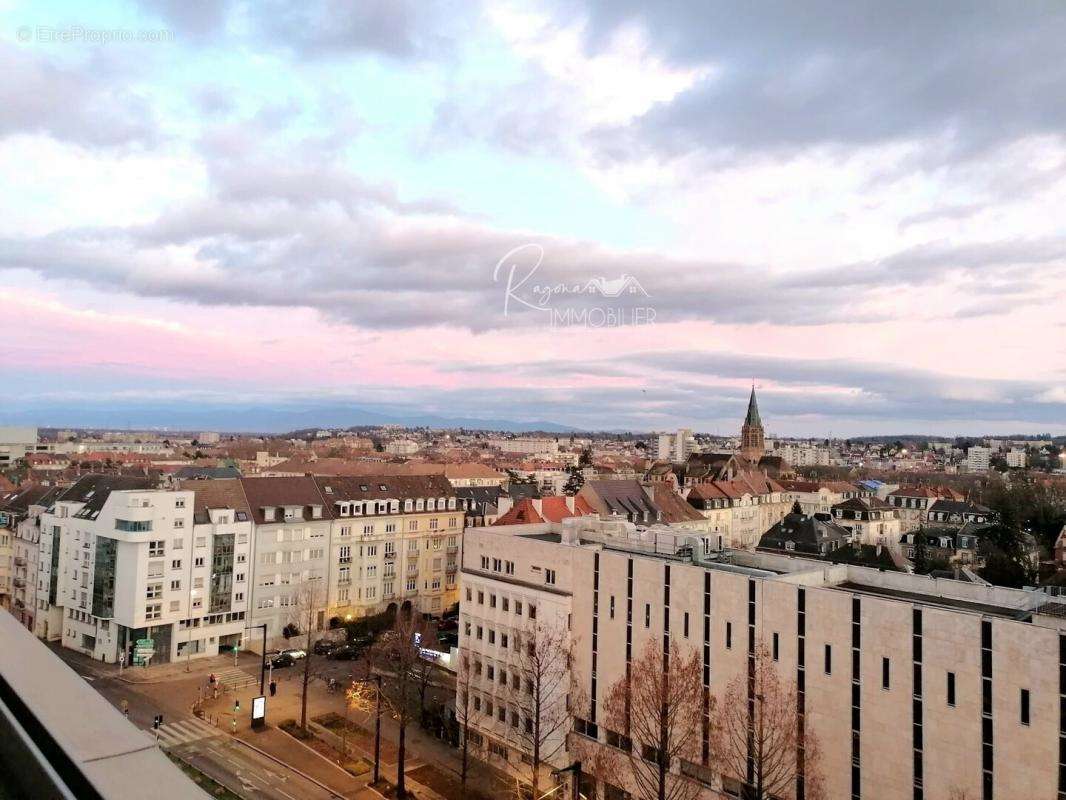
(19, 583)
(20, 561)
(390, 556)
(344, 560)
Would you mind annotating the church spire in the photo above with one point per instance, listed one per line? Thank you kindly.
(753, 411)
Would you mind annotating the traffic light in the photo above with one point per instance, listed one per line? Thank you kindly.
(236, 706)
(157, 721)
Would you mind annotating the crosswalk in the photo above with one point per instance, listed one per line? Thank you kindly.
(186, 731)
(232, 677)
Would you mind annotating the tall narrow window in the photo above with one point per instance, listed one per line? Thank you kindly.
(829, 659)
(728, 635)
(951, 688)
(1025, 707)
(777, 647)
(685, 627)
(886, 669)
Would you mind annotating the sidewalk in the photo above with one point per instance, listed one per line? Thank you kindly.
(288, 750)
(162, 673)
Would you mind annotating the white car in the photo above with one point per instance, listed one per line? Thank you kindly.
(295, 653)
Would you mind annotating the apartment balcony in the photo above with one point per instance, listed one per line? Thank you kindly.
(20, 561)
(451, 569)
(453, 548)
(388, 595)
(390, 556)
(344, 581)
(19, 583)
(344, 560)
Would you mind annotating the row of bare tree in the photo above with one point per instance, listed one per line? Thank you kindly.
(657, 718)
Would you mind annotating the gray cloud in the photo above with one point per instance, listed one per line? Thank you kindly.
(80, 105)
(402, 29)
(790, 76)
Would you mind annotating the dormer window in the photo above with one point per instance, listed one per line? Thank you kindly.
(364, 488)
(383, 487)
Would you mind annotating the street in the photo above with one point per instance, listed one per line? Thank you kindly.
(212, 750)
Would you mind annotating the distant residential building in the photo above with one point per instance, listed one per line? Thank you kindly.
(819, 497)
(624, 498)
(871, 520)
(402, 447)
(15, 443)
(676, 447)
(208, 437)
(957, 512)
(914, 502)
(1017, 458)
(978, 459)
(800, 533)
(740, 510)
(526, 445)
(394, 543)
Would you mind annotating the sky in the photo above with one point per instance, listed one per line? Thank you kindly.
(602, 213)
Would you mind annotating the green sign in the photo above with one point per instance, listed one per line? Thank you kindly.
(143, 650)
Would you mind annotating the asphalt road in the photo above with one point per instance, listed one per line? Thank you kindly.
(229, 761)
(247, 773)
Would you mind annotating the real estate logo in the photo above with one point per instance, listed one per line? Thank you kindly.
(594, 302)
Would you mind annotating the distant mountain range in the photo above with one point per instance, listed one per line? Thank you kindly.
(252, 418)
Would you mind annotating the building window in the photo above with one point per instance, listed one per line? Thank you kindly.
(951, 688)
(156, 548)
(1025, 706)
(886, 673)
(729, 636)
(532, 611)
(549, 576)
(777, 646)
(685, 625)
(829, 659)
(647, 615)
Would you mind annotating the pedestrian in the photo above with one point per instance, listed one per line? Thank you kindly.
(273, 687)
(126, 708)
(211, 679)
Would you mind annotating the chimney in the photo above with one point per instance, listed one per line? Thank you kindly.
(538, 506)
(570, 504)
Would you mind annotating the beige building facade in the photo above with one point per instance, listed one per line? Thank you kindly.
(913, 687)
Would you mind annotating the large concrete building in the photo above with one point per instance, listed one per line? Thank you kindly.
(913, 687)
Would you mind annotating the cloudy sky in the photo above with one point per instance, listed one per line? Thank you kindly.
(427, 207)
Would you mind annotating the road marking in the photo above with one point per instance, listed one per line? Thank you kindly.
(279, 791)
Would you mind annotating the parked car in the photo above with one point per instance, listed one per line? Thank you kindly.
(295, 652)
(323, 647)
(449, 624)
(346, 652)
(282, 660)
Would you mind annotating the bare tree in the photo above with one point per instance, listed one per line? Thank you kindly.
(539, 682)
(654, 715)
(307, 601)
(397, 657)
(766, 743)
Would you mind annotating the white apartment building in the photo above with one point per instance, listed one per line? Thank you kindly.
(914, 687)
(676, 447)
(526, 445)
(1017, 458)
(292, 559)
(978, 459)
(803, 455)
(394, 543)
(402, 447)
(133, 565)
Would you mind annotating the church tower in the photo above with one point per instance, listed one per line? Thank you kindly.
(752, 445)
